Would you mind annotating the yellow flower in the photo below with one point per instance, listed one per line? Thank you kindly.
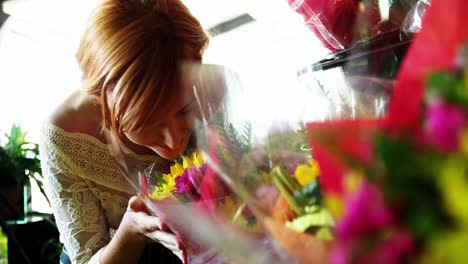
(165, 190)
(177, 170)
(229, 206)
(334, 204)
(170, 182)
(447, 248)
(455, 188)
(306, 173)
(197, 159)
(186, 162)
(231, 209)
(464, 142)
(352, 180)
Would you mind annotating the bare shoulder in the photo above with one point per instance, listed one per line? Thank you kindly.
(78, 113)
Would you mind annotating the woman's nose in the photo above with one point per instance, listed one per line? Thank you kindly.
(172, 135)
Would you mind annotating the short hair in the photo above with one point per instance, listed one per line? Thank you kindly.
(133, 48)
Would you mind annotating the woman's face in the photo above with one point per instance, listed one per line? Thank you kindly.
(168, 131)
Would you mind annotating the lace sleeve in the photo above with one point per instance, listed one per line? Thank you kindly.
(78, 213)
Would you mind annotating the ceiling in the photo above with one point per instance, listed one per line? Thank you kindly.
(70, 15)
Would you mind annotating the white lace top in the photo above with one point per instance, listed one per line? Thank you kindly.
(87, 192)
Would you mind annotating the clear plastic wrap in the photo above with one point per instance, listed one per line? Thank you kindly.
(199, 205)
(413, 21)
(266, 162)
(342, 24)
(277, 178)
(257, 156)
(380, 173)
(357, 79)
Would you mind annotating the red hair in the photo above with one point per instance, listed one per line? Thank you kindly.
(130, 54)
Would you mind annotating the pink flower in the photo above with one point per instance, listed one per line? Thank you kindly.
(367, 232)
(392, 249)
(186, 183)
(444, 123)
(365, 212)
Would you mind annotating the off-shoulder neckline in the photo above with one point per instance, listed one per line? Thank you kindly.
(95, 141)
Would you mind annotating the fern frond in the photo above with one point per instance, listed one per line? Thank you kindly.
(247, 136)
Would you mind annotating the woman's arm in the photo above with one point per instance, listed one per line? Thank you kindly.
(77, 211)
(81, 221)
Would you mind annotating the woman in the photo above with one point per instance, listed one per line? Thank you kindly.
(130, 56)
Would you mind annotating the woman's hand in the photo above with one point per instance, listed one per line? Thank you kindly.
(153, 228)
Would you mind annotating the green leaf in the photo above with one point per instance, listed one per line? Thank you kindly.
(285, 190)
(158, 178)
(19, 159)
(247, 136)
(447, 85)
(321, 218)
(309, 194)
(234, 144)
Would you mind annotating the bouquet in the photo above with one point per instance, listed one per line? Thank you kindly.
(397, 185)
(342, 24)
(278, 180)
(212, 221)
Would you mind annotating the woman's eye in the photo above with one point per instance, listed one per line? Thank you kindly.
(185, 111)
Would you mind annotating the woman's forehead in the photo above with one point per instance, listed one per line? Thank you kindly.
(170, 105)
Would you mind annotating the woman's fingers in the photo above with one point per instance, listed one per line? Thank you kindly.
(154, 228)
(182, 256)
(135, 204)
(165, 238)
(149, 223)
(145, 221)
(171, 247)
(171, 242)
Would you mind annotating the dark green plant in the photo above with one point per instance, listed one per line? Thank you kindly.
(19, 160)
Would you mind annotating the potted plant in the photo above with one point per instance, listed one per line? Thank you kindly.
(19, 163)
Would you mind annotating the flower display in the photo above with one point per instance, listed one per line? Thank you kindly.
(278, 182)
(391, 189)
(399, 183)
(182, 181)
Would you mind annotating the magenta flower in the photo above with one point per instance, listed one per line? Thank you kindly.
(399, 243)
(365, 212)
(183, 184)
(186, 184)
(444, 123)
(367, 232)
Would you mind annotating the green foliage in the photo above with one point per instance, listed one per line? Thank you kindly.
(19, 160)
(409, 185)
(158, 178)
(234, 145)
(448, 86)
(309, 195)
(289, 139)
